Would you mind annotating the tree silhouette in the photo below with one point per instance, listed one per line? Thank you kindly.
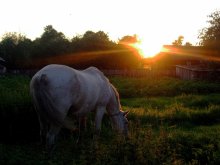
(52, 46)
(15, 49)
(50, 43)
(210, 36)
(92, 41)
(188, 44)
(130, 54)
(128, 40)
(179, 41)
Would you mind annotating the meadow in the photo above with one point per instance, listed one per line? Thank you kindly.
(171, 121)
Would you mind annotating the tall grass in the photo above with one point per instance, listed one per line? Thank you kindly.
(164, 86)
(170, 122)
(17, 115)
(193, 109)
(14, 91)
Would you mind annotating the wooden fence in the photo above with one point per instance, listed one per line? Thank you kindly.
(128, 73)
(197, 73)
(112, 72)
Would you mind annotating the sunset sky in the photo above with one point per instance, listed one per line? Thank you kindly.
(156, 22)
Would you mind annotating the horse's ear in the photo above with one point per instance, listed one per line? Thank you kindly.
(125, 113)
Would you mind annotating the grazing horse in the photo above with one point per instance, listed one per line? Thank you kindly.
(59, 91)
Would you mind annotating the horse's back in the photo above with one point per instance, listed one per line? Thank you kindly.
(94, 90)
(94, 77)
(82, 91)
(97, 81)
(56, 74)
(56, 85)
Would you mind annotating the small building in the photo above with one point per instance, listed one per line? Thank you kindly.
(190, 72)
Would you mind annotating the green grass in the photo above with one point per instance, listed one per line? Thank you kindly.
(165, 86)
(181, 110)
(14, 91)
(171, 121)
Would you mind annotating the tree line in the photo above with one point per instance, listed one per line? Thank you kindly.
(91, 48)
(54, 47)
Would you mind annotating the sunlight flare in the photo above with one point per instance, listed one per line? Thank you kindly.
(147, 50)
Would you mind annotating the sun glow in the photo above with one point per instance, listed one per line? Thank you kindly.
(147, 50)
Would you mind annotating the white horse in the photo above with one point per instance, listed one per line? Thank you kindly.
(58, 90)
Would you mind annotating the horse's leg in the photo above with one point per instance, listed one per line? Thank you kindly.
(43, 129)
(100, 111)
(82, 122)
(51, 136)
(81, 127)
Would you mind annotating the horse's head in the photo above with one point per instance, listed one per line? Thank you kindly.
(120, 122)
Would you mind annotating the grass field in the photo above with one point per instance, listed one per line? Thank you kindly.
(171, 121)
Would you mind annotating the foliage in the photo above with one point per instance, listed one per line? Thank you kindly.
(210, 36)
(128, 40)
(20, 52)
(179, 41)
(50, 43)
(176, 128)
(15, 48)
(188, 44)
(92, 41)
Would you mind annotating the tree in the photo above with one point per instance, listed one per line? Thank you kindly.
(92, 41)
(128, 40)
(50, 43)
(210, 36)
(130, 56)
(188, 44)
(15, 49)
(19, 51)
(179, 41)
(75, 44)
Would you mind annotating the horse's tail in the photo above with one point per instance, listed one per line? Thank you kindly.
(44, 104)
(43, 101)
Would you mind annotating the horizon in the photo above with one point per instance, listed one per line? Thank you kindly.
(156, 23)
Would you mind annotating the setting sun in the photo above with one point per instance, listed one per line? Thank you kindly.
(147, 50)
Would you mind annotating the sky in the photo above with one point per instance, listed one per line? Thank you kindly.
(156, 22)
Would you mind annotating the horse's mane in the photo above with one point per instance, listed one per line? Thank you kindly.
(116, 95)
